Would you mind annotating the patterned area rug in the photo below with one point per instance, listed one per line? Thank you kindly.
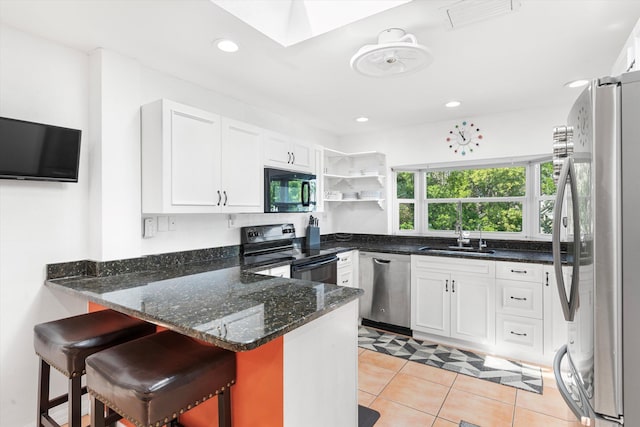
(490, 368)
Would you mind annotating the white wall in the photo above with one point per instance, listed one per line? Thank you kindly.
(40, 222)
(517, 133)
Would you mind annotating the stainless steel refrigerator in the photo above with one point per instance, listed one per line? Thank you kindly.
(597, 212)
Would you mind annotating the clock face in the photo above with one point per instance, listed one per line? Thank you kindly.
(464, 137)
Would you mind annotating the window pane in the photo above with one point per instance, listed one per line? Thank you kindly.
(405, 185)
(493, 216)
(407, 216)
(547, 186)
(490, 182)
(546, 216)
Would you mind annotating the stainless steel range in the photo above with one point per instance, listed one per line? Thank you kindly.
(270, 244)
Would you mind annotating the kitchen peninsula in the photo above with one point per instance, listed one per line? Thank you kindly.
(288, 334)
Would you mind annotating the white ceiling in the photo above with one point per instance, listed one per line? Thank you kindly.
(512, 62)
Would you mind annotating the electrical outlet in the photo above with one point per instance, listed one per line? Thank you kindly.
(148, 227)
(172, 223)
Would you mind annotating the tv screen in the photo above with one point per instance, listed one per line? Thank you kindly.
(37, 151)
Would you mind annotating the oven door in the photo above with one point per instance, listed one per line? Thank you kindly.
(324, 270)
(287, 191)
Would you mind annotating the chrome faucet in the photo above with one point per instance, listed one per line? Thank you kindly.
(481, 243)
(463, 236)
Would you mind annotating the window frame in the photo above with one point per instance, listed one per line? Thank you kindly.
(530, 202)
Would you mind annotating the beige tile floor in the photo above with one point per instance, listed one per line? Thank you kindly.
(410, 394)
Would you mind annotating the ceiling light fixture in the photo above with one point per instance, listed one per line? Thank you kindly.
(395, 53)
(452, 104)
(362, 119)
(226, 45)
(577, 83)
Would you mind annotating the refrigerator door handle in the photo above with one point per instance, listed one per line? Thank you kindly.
(569, 304)
(581, 414)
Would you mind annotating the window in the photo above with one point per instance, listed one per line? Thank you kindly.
(497, 200)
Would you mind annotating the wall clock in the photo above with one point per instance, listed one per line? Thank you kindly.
(464, 137)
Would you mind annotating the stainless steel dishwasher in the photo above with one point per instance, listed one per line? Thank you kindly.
(386, 281)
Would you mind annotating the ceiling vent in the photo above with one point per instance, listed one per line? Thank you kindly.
(466, 12)
(395, 53)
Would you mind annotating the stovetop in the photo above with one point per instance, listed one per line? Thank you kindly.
(275, 243)
(295, 256)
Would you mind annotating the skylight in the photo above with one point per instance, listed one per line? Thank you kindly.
(291, 21)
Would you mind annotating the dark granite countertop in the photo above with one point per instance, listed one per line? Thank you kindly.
(216, 301)
(513, 255)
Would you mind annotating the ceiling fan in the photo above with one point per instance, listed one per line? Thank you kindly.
(396, 53)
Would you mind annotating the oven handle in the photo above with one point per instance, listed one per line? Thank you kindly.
(312, 265)
(306, 189)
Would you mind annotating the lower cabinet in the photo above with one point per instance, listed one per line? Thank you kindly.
(280, 271)
(453, 298)
(347, 265)
(508, 308)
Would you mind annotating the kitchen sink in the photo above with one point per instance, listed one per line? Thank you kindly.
(463, 249)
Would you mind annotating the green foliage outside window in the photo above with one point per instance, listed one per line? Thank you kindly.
(476, 183)
(405, 189)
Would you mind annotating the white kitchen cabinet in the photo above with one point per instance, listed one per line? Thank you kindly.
(282, 151)
(347, 269)
(519, 306)
(241, 169)
(454, 298)
(194, 161)
(555, 326)
(280, 271)
(180, 158)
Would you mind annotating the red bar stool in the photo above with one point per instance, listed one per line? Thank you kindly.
(152, 380)
(66, 343)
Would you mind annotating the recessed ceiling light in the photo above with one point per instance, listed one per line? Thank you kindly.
(452, 104)
(226, 45)
(362, 119)
(577, 83)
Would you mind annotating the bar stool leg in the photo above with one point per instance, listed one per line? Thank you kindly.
(43, 390)
(75, 394)
(224, 408)
(97, 413)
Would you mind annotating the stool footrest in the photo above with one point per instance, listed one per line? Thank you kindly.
(59, 400)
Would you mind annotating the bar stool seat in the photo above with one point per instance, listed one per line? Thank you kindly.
(152, 380)
(66, 343)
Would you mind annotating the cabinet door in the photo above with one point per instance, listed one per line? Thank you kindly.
(345, 277)
(302, 157)
(277, 151)
(473, 308)
(242, 174)
(194, 139)
(430, 301)
(555, 327)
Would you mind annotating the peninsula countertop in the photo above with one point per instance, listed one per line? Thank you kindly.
(217, 302)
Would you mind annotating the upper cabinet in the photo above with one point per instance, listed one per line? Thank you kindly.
(194, 161)
(283, 152)
(241, 169)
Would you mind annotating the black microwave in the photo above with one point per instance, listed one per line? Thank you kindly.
(288, 191)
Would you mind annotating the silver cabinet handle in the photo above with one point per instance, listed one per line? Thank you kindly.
(569, 305)
(520, 335)
(453, 286)
(293, 157)
(289, 154)
(219, 197)
(446, 285)
(345, 281)
(519, 271)
(546, 282)
(225, 198)
(518, 299)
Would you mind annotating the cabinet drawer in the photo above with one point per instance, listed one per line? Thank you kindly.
(519, 333)
(519, 298)
(345, 259)
(345, 277)
(519, 271)
(459, 265)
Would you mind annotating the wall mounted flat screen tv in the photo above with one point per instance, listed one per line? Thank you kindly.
(36, 151)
